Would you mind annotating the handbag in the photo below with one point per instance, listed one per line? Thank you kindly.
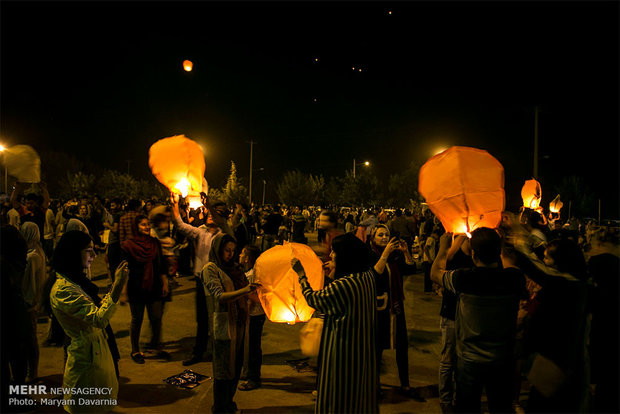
(310, 337)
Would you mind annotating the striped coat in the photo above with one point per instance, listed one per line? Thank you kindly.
(348, 372)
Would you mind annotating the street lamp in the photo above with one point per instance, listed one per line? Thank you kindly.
(264, 184)
(365, 163)
(6, 177)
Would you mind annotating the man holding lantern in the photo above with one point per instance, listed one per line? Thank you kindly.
(486, 318)
(202, 238)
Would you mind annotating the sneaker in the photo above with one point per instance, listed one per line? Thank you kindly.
(249, 385)
(138, 357)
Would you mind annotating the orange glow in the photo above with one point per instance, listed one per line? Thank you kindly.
(360, 69)
(390, 12)
(531, 194)
(353, 68)
(280, 291)
(188, 65)
(178, 163)
(556, 205)
(464, 188)
(194, 202)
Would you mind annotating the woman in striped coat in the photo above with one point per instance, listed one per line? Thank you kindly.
(348, 366)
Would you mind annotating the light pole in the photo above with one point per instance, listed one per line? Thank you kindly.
(264, 184)
(365, 163)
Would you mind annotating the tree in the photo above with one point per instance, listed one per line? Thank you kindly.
(575, 191)
(233, 191)
(114, 184)
(361, 190)
(77, 185)
(297, 188)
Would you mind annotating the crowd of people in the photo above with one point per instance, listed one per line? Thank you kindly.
(534, 301)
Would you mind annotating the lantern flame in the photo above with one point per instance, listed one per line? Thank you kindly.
(194, 202)
(188, 65)
(556, 205)
(183, 186)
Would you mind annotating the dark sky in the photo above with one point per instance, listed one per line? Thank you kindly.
(105, 80)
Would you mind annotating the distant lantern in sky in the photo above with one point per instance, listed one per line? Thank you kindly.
(188, 65)
(531, 193)
(353, 68)
(280, 292)
(360, 69)
(314, 100)
(389, 11)
(464, 188)
(316, 59)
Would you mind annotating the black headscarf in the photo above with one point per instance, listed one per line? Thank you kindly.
(352, 255)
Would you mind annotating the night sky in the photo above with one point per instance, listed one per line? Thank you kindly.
(105, 80)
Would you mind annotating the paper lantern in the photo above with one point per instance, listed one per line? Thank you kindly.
(556, 205)
(531, 194)
(23, 163)
(178, 163)
(464, 188)
(280, 291)
(188, 65)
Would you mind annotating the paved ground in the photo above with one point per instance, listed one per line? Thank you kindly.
(284, 389)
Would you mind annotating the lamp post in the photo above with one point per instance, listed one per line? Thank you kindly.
(264, 184)
(365, 163)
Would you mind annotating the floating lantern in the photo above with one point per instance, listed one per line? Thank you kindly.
(531, 194)
(556, 205)
(188, 65)
(280, 291)
(464, 188)
(178, 163)
(23, 163)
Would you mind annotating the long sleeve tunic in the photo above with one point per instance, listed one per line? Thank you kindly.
(348, 372)
(89, 361)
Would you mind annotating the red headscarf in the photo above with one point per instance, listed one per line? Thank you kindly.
(143, 249)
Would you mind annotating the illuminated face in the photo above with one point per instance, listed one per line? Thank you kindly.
(144, 228)
(113, 206)
(228, 252)
(148, 206)
(83, 210)
(382, 237)
(547, 258)
(88, 255)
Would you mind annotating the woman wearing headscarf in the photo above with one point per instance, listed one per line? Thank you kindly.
(228, 285)
(89, 362)
(347, 380)
(32, 289)
(392, 260)
(13, 313)
(147, 286)
(556, 331)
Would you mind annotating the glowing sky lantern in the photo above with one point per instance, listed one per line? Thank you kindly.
(531, 194)
(188, 65)
(556, 205)
(464, 188)
(178, 163)
(280, 293)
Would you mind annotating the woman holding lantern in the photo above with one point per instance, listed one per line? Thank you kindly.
(347, 380)
(228, 285)
(392, 260)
